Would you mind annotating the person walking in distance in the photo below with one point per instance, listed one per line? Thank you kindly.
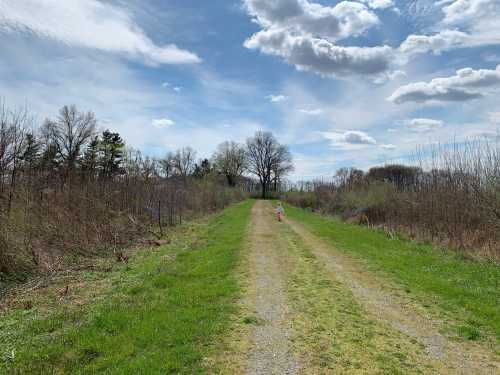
(280, 212)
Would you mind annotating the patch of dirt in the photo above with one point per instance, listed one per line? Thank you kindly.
(449, 357)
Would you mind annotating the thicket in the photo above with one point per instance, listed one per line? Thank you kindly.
(67, 191)
(448, 194)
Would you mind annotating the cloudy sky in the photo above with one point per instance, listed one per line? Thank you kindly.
(344, 83)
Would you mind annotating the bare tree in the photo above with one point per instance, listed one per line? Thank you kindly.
(283, 165)
(6, 136)
(230, 160)
(266, 155)
(184, 161)
(167, 165)
(70, 132)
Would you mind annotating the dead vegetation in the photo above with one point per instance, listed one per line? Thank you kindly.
(448, 194)
(68, 192)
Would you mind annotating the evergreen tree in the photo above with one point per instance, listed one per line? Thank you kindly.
(31, 154)
(90, 160)
(111, 154)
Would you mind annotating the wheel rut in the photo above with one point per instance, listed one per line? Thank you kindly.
(448, 356)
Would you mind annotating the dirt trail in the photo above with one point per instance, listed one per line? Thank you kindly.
(448, 357)
(270, 353)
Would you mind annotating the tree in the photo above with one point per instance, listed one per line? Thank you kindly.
(91, 157)
(265, 156)
(203, 169)
(31, 152)
(167, 165)
(69, 133)
(282, 167)
(110, 154)
(184, 161)
(230, 160)
(402, 176)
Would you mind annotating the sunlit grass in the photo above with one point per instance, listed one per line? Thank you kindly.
(162, 315)
(466, 291)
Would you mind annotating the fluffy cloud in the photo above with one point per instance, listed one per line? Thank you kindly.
(163, 123)
(440, 42)
(465, 85)
(321, 56)
(277, 98)
(358, 137)
(88, 24)
(304, 35)
(469, 12)
(301, 16)
(477, 23)
(349, 139)
(423, 125)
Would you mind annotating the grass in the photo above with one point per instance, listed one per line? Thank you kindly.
(161, 315)
(333, 333)
(466, 292)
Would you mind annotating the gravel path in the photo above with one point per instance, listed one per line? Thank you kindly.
(450, 357)
(270, 352)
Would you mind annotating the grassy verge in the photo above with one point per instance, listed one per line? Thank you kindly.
(466, 292)
(161, 313)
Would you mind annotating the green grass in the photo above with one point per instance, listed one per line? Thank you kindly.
(331, 326)
(467, 292)
(162, 315)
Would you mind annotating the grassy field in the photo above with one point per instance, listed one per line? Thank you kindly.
(464, 292)
(160, 314)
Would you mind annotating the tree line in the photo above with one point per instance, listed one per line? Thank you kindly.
(67, 188)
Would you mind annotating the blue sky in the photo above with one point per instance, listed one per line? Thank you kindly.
(351, 83)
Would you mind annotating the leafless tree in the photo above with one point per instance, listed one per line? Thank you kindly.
(70, 132)
(266, 155)
(230, 160)
(167, 165)
(184, 161)
(283, 165)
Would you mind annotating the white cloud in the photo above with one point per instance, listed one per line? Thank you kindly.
(469, 12)
(351, 139)
(467, 84)
(321, 56)
(358, 137)
(388, 147)
(466, 23)
(304, 35)
(177, 89)
(277, 98)
(378, 4)
(312, 112)
(163, 123)
(345, 19)
(437, 43)
(89, 24)
(423, 125)
(165, 84)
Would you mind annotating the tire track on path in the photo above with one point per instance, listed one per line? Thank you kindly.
(401, 314)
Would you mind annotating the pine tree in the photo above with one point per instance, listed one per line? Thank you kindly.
(111, 154)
